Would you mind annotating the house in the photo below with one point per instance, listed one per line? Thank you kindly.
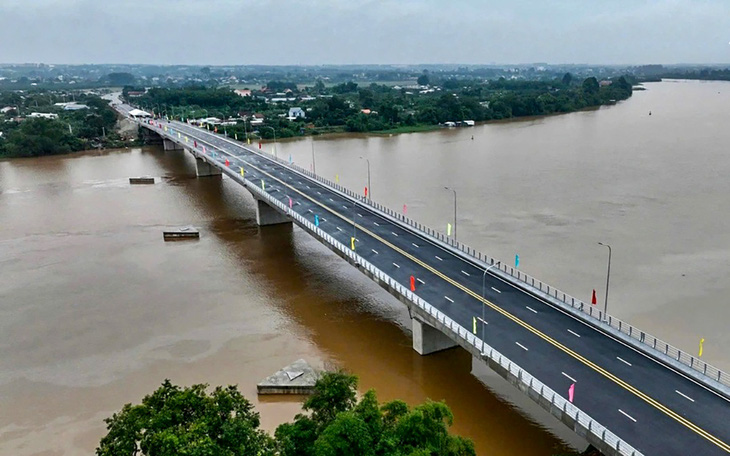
(242, 92)
(257, 119)
(7, 109)
(605, 83)
(139, 114)
(297, 113)
(74, 107)
(366, 111)
(43, 115)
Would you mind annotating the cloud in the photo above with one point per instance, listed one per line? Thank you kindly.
(364, 31)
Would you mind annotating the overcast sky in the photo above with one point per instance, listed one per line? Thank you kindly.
(216, 32)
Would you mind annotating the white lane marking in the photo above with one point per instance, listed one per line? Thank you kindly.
(684, 395)
(338, 228)
(421, 281)
(414, 245)
(374, 251)
(297, 203)
(627, 415)
(344, 206)
(574, 333)
(483, 321)
(569, 377)
(308, 186)
(448, 299)
(623, 361)
(531, 309)
(393, 234)
(309, 210)
(496, 290)
(318, 192)
(324, 219)
(439, 258)
(332, 200)
(522, 346)
(396, 265)
(359, 215)
(465, 273)
(376, 223)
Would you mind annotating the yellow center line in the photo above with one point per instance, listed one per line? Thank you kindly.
(669, 412)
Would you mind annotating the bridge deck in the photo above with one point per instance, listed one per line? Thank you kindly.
(654, 408)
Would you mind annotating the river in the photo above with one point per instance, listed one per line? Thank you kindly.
(96, 310)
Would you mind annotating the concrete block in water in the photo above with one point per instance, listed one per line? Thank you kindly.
(296, 378)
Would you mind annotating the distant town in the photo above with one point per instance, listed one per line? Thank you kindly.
(47, 109)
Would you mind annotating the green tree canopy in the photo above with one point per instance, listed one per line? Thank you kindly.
(186, 421)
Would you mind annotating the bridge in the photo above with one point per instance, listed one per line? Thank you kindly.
(623, 390)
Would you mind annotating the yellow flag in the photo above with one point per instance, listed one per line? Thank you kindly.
(702, 342)
(178, 135)
(248, 140)
(236, 135)
(186, 139)
(337, 178)
(165, 128)
(262, 185)
(352, 243)
(474, 325)
(241, 170)
(448, 229)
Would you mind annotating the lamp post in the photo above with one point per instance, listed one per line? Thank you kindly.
(608, 278)
(484, 290)
(370, 190)
(272, 129)
(447, 188)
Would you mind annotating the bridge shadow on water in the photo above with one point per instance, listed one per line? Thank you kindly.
(357, 325)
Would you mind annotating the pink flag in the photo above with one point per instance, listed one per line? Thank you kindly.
(290, 202)
(404, 209)
(204, 149)
(571, 392)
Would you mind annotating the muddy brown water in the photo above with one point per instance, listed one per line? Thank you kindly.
(96, 310)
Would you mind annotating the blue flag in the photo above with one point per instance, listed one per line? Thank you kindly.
(316, 220)
(517, 261)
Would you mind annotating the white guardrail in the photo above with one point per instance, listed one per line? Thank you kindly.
(588, 312)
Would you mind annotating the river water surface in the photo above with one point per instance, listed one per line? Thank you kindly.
(96, 310)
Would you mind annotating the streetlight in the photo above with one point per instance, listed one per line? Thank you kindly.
(447, 188)
(272, 129)
(370, 190)
(484, 290)
(608, 278)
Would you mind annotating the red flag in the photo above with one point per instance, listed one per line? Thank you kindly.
(195, 143)
(259, 144)
(366, 192)
(404, 209)
(413, 283)
(215, 129)
(593, 299)
(227, 162)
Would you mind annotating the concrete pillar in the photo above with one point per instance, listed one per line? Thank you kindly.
(267, 215)
(204, 169)
(427, 339)
(170, 145)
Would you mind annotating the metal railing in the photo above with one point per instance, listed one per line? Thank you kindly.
(588, 312)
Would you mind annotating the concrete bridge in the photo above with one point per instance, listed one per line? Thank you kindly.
(632, 394)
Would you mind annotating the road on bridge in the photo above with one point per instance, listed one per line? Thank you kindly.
(649, 405)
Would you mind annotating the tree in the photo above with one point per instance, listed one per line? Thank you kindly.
(590, 85)
(423, 79)
(567, 79)
(173, 421)
(120, 79)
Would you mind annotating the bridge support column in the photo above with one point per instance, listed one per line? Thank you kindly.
(170, 145)
(267, 215)
(205, 169)
(427, 339)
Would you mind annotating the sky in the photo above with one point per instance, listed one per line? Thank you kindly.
(312, 32)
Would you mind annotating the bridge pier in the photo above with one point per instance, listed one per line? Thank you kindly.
(205, 169)
(427, 339)
(168, 144)
(267, 215)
